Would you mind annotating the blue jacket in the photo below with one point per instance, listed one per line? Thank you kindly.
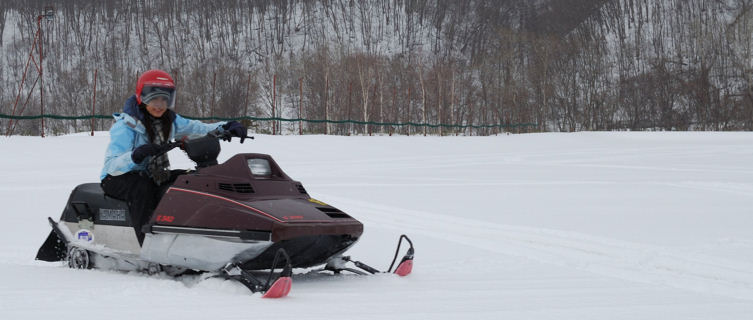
(128, 132)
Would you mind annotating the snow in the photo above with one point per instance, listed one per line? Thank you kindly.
(537, 226)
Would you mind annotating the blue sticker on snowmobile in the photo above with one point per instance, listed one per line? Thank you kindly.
(85, 235)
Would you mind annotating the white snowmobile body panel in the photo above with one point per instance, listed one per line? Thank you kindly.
(117, 238)
(199, 252)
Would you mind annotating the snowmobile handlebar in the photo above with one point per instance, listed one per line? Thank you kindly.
(220, 135)
(227, 135)
(216, 133)
(202, 150)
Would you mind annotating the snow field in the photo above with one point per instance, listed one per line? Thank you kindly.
(537, 226)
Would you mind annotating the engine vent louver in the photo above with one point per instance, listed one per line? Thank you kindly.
(301, 189)
(243, 188)
(237, 187)
(333, 212)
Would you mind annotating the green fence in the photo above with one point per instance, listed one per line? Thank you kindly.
(397, 124)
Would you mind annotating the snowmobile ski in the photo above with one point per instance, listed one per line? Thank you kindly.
(338, 264)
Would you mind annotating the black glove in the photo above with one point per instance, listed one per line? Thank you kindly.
(235, 129)
(143, 151)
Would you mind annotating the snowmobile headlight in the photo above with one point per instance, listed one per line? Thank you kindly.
(260, 167)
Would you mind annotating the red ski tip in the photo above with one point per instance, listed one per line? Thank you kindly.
(404, 268)
(280, 288)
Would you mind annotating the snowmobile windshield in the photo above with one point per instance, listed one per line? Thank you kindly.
(260, 168)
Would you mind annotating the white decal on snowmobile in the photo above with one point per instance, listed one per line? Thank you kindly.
(112, 214)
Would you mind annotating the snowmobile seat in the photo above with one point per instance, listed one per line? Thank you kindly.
(89, 202)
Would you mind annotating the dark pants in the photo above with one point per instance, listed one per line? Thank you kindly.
(141, 193)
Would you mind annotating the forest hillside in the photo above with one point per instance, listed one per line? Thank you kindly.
(389, 66)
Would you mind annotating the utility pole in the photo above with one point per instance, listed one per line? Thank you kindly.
(245, 103)
(94, 99)
(300, 106)
(274, 104)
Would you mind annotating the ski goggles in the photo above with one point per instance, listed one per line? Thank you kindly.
(148, 93)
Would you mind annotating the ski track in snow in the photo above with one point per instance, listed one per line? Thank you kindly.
(608, 257)
(594, 159)
(739, 189)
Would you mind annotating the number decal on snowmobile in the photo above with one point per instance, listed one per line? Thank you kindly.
(161, 218)
(292, 217)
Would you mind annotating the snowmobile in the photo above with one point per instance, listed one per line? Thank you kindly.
(231, 220)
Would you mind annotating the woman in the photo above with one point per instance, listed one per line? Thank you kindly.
(136, 169)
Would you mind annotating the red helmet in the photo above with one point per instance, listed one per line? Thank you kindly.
(155, 83)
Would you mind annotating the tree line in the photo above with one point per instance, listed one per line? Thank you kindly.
(559, 65)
